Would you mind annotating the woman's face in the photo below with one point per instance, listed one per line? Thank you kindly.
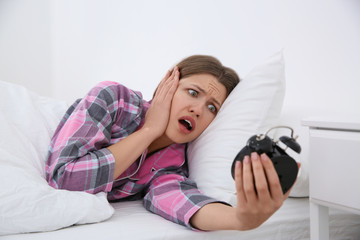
(195, 104)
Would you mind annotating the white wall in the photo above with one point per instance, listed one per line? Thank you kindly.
(79, 43)
(25, 53)
(136, 42)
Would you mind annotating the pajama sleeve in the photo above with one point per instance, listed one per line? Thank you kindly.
(176, 198)
(78, 158)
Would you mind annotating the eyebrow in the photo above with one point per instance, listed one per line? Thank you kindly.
(203, 91)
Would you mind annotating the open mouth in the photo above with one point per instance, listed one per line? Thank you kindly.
(186, 123)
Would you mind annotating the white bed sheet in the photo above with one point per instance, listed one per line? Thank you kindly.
(132, 221)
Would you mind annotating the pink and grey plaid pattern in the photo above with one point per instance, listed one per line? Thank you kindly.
(78, 159)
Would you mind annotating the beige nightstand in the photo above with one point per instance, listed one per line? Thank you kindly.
(334, 161)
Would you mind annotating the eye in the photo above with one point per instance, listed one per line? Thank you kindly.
(193, 93)
(212, 108)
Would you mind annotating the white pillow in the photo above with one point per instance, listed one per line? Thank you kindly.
(252, 107)
(27, 202)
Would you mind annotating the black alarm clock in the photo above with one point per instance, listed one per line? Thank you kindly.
(285, 166)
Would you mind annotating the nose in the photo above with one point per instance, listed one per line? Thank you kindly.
(197, 109)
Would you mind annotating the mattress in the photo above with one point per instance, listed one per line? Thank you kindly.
(132, 221)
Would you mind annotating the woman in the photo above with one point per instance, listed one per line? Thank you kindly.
(114, 141)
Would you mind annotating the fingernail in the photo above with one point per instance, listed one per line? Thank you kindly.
(254, 156)
(246, 159)
(263, 157)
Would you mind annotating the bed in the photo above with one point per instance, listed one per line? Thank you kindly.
(30, 209)
(290, 222)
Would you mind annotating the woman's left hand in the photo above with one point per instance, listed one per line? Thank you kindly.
(259, 195)
(259, 192)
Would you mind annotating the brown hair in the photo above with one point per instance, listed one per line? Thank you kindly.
(198, 64)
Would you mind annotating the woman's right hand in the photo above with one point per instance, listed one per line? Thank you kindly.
(129, 149)
(157, 116)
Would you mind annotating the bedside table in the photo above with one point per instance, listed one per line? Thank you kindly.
(334, 173)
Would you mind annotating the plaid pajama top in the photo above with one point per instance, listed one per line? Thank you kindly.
(78, 159)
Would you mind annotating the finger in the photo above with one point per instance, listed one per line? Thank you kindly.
(172, 75)
(167, 83)
(167, 91)
(248, 177)
(261, 183)
(272, 177)
(239, 183)
(174, 84)
(167, 75)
